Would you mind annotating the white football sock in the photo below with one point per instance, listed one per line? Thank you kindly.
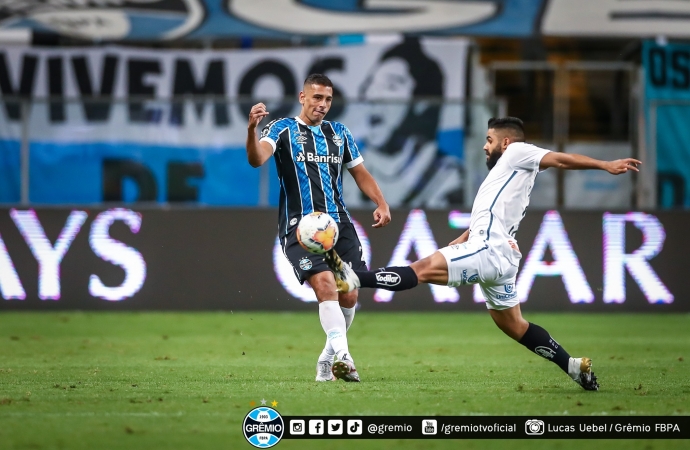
(349, 314)
(333, 323)
(328, 353)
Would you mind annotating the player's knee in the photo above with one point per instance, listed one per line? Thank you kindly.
(323, 285)
(513, 328)
(432, 269)
(422, 269)
(511, 331)
(348, 300)
(510, 321)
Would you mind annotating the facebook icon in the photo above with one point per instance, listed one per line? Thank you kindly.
(316, 427)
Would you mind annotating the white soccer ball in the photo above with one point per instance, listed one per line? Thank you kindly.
(317, 232)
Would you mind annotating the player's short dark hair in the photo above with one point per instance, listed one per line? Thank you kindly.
(318, 79)
(512, 124)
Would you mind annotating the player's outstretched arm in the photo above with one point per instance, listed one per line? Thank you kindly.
(257, 152)
(367, 184)
(573, 161)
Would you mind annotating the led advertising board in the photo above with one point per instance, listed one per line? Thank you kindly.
(230, 259)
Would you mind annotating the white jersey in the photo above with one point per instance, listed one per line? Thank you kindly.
(503, 197)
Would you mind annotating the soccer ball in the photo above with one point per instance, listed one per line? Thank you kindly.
(317, 232)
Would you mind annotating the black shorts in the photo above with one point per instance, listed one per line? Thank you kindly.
(306, 264)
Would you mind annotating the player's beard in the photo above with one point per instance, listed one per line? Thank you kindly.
(494, 156)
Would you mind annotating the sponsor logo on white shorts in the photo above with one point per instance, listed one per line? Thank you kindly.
(469, 280)
(388, 278)
(510, 293)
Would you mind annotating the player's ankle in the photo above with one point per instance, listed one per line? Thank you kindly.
(344, 356)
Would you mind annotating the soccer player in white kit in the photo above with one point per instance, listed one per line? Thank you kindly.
(487, 253)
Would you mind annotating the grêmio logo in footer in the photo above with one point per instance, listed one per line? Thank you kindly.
(263, 427)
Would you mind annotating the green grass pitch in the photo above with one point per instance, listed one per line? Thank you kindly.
(186, 380)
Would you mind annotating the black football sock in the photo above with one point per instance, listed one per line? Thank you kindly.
(388, 278)
(540, 342)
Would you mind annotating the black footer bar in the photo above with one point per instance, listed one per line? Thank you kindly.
(486, 427)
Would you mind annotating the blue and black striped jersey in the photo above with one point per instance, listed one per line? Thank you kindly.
(310, 162)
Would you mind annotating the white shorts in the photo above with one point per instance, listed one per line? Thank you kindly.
(476, 262)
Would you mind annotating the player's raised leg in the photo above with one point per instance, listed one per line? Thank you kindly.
(393, 278)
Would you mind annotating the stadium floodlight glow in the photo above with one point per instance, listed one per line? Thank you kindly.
(10, 286)
(48, 256)
(616, 260)
(552, 234)
(117, 253)
(417, 235)
(286, 274)
(460, 220)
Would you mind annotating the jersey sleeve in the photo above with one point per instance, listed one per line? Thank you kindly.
(351, 155)
(271, 134)
(525, 156)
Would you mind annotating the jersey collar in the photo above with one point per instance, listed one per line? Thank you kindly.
(300, 121)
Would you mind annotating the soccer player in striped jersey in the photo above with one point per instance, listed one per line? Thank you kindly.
(309, 154)
(488, 253)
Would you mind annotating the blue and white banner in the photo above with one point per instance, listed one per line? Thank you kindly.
(144, 146)
(158, 20)
(161, 20)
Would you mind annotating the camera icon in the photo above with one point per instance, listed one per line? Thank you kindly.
(297, 427)
(534, 427)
